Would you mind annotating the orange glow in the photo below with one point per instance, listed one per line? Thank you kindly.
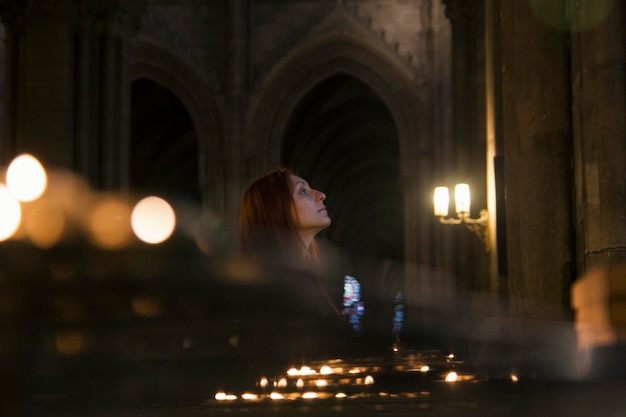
(153, 220)
(276, 396)
(109, 224)
(44, 225)
(222, 396)
(26, 178)
(146, 306)
(10, 213)
(326, 370)
(451, 377)
(321, 382)
(69, 342)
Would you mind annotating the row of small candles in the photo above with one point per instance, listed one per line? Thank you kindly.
(327, 381)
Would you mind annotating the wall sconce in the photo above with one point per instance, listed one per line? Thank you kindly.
(462, 201)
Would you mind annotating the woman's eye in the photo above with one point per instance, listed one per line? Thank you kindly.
(302, 191)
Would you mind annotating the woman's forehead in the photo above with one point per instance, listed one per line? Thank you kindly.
(294, 179)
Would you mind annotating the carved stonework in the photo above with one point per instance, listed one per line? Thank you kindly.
(457, 10)
(15, 14)
(120, 18)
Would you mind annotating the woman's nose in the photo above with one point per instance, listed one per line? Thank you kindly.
(321, 196)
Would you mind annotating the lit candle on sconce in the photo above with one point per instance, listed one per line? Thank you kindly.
(442, 201)
(462, 203)
(462, 199)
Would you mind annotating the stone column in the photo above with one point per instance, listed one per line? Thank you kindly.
(538, 159)
(116, 23)
(469, 132)
(599, 123)
(599, 106)
(236, 92)
(38, 97)
(68, 85)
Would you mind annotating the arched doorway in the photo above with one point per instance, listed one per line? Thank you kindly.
(343, 140)
(164, 156)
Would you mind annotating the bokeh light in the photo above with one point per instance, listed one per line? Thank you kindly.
(69, 342)
(146, 306)
(44, 225)
(153, 220)
(26, 178)
(10, 213)
(110, 223)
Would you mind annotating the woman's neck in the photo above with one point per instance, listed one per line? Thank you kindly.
(307, 239)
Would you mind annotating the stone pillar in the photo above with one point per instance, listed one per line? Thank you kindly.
(469, 132)
(538, 160)
(598, 55)
(236, 92)
(38, 79)
(68, 85)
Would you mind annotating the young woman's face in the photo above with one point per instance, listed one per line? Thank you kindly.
(308, 210)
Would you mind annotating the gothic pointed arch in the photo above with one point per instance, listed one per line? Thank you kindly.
(398, 86)
(155, 63)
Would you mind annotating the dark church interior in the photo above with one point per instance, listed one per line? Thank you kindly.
(123, 291)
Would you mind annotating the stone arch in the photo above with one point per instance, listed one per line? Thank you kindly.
(163, 67)
(398, 85)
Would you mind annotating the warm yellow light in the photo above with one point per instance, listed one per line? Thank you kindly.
(26, 178)
(309, 395)
(10, 213)
(153, 220)
(326, 370)
(44, 225)
(276, 396)
(305, 370)
(145, 306)
(222, 396)
(451, 377)
(321, 383)
(425, 368)
(69, 342)
(340, 395)
(369, 380)
(110, 224)
(462, 198)
(263, 382)
(299, 383)
(282, 383)
(442, 201)
(249, 396)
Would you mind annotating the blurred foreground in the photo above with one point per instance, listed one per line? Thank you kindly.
(166, 330)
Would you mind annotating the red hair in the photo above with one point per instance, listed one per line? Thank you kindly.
(266, 224)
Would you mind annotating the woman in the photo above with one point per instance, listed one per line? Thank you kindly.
(293, 315)
(280, 216)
